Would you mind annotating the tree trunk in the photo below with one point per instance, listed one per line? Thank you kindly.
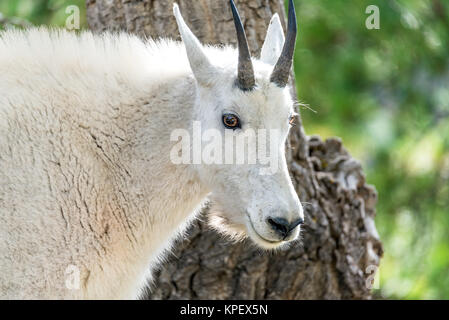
(340, 248)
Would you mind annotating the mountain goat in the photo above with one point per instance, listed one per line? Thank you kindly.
(90, 197)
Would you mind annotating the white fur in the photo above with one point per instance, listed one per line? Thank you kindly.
(272, 47)
(85, 174)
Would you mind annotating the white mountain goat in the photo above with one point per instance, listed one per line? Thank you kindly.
(89, 195)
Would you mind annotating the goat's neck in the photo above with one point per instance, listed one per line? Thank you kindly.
(147, 200)
(161, 196)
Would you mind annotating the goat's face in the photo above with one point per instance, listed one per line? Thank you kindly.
(252, 194)
(244, 118)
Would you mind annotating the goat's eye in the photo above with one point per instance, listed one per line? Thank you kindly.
(231, 121)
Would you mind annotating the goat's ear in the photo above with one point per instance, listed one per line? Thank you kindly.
(203, 70)
(274, 42)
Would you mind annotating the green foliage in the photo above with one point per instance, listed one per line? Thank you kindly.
(385, 92)
(23, 13)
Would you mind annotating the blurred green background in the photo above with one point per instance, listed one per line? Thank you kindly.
(386, 94)
(22, 13)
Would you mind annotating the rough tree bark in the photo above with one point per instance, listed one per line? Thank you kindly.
(340, 247)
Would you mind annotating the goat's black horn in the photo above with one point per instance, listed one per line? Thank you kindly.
(281, 72)
(246, 80)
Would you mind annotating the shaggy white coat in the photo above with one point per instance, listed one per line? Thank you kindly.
(86, 182)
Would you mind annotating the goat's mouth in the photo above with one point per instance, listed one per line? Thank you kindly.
(259, 240)
(238, 230)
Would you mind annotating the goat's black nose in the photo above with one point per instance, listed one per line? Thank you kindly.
(282, 226)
